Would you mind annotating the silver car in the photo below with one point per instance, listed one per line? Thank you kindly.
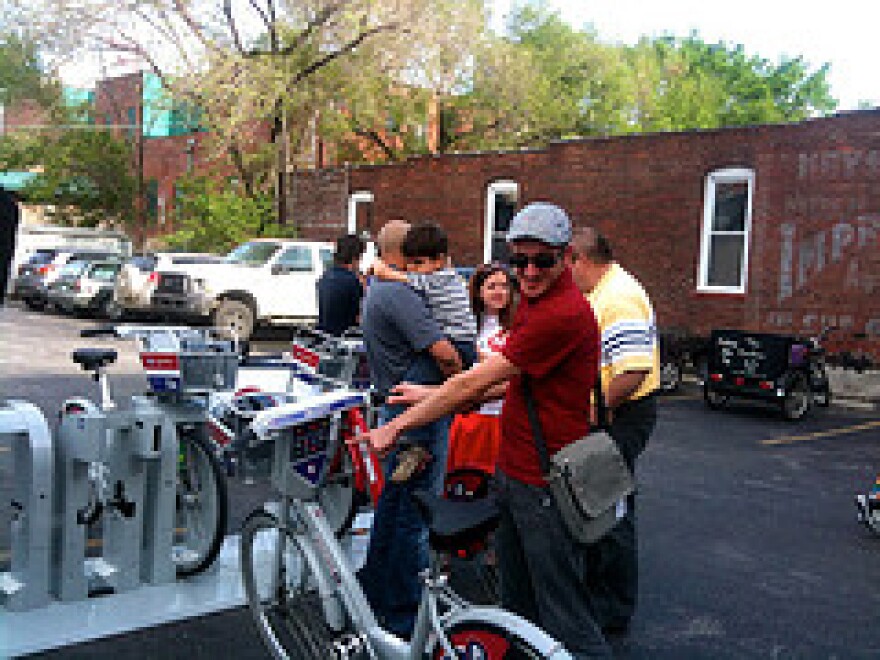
(84, 286)
(36, 275)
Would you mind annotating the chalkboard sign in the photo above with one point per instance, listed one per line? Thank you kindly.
(749, 354)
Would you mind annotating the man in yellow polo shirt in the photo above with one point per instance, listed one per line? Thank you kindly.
(630, 374)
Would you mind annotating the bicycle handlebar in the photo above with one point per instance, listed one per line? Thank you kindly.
(99, 331)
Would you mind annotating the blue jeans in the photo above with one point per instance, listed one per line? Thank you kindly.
(398, 550)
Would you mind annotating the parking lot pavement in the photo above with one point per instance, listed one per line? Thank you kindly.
(749, 545)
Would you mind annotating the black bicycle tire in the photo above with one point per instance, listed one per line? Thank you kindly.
(799, 380)
(303, 626)
(519, 648)
(714, 404)
(199, 441)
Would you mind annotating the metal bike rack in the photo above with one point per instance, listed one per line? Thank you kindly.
(134, 454)
(26, 586)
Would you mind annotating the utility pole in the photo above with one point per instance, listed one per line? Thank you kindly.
(140, 216)
(283, 159)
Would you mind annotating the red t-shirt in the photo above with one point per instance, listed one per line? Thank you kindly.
(555, 340)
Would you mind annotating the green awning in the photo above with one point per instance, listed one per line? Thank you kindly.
(16, 180)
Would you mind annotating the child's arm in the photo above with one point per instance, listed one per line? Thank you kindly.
(385, 272)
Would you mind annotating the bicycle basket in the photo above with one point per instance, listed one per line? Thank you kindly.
(307, 440)
(188, 364)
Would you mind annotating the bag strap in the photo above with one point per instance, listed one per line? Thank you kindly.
(543, 455)
(601, 407)
(535, 422)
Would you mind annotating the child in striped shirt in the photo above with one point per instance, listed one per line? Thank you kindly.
(426, 248)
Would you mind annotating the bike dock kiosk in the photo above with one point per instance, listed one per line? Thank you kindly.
(129, 459)
(26, 586)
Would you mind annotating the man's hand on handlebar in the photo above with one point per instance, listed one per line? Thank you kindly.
(381, 440)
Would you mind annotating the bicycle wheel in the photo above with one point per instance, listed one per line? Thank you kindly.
(280, 595)
(713, 399)
(797, 399)
(483, 640)
(202, 504)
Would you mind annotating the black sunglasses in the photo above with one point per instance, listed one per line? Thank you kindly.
(541, 260)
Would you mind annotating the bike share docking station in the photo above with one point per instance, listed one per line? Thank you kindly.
(26, 585)
(104, 465)
(118, 468)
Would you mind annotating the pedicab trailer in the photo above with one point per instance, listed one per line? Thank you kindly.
(782, 370)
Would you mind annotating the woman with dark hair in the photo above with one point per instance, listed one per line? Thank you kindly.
(474, 438)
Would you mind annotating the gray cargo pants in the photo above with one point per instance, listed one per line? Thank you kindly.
(542, 569)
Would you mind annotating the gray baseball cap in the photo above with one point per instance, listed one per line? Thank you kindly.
(541, 221)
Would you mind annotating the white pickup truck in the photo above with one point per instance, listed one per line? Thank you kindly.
(269, 281)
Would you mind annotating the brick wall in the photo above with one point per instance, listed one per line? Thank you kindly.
(318, 203)
(22, 115)
(814, 257)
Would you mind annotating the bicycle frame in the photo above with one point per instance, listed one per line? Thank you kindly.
(336, 582)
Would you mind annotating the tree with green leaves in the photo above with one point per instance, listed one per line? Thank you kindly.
(686, 83)
(211, 216)
(22, 73)
(278, 64)
(544, 80)
(83, 176)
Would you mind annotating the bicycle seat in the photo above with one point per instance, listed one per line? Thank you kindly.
(456, 526)
(94, 358)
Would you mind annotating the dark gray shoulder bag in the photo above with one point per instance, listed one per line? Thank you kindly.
(587, 477)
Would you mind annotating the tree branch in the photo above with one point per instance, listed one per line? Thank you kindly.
(262, 14)
(233, 28)
(194, 27)
(319, 20)
(273, 28)
(378, 141)
(347, 48)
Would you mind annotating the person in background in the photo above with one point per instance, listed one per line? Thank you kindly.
(426, 250)
(475, 438)
(401, 339)
(630, 374)
(340, 289)
(554, 342)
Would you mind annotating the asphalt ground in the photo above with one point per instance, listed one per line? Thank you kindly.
(749, 545)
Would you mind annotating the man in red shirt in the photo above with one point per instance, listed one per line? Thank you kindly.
(554, 341)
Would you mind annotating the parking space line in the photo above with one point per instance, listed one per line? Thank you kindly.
(844, 430)
(2, 449)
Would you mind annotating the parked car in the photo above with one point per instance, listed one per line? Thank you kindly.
(85, 287)
(44, 266)
(68, 273)
(262, 281)
(140, 274)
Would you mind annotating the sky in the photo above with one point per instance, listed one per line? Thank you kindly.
(839, 32)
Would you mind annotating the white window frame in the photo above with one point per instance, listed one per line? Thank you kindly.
(355, 198)
(728, 175)
(495, 188)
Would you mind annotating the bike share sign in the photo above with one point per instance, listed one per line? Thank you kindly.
(163, 371)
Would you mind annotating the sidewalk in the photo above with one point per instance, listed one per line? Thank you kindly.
(855, 390)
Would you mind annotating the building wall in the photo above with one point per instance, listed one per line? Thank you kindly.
(814, 258)
(22, 115)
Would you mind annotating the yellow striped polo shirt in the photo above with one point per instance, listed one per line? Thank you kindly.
(628, 327)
